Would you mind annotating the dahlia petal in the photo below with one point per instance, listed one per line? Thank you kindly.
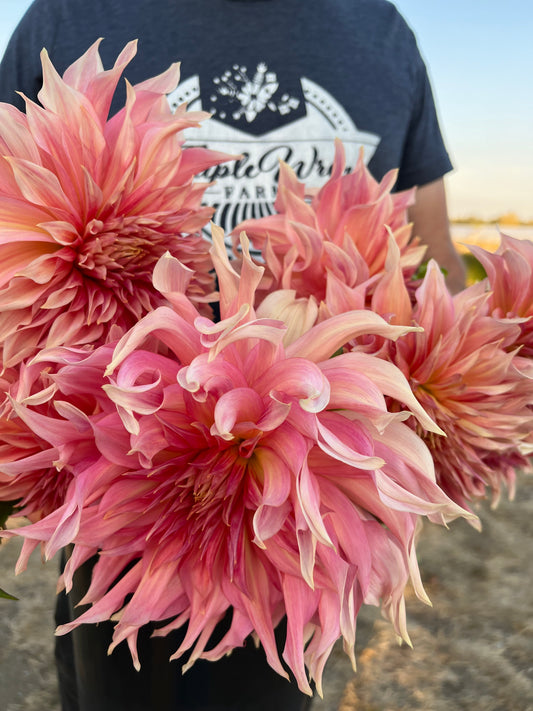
(15, 138)
(321, 645)
(78, 556)
(267, 521)
(327, 337)
(414, 572)
(39, 460)
(139, 398)
(296, 378)
(297, 209)
(117, 449)
(163, 83)
(49, 429)
(271, 332)
(71, 413)
(65, 532)
(385, 376)
(302, 604)
(308, 492)
(397, 497)
(235, 290)
(339, 444)
(86, 75)
(299, 315)
(172, 279)
(238, 632)
(351, 533)
(307, 544)
(350, 390)
(390, 294)
(46, 268)
(432, 292)
(104, 608)
(28, 547)
(19, 295)
(153, 594)
(14, 259)
(174, 331)
(240, 404)
(195, 160)
(72, 328)
(60, 98)
(259, 614)
(208, 376)
(39, 185)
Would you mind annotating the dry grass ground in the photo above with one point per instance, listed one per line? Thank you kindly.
(472, 650)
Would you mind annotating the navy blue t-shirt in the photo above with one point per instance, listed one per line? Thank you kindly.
(281, 78)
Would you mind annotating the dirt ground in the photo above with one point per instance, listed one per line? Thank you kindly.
(472, 650)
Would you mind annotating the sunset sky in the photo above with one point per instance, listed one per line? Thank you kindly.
(480, 59)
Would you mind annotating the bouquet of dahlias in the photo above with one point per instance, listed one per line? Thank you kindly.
(469, 365)
(272, 463)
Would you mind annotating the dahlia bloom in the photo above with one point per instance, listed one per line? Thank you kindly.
(88, 205)
(35, 471)
(340, 235)
(463, 371)
(240, 474)
(510, 281)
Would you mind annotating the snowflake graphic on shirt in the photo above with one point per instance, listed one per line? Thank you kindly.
(251, 95)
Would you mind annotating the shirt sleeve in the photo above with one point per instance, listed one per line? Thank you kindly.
(425, 157)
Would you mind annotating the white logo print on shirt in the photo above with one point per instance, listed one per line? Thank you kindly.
(253, 95)
(238, 101)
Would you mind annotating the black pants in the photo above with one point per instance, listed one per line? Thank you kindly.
(89, 680)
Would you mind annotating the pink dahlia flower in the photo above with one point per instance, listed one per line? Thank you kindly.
(462, 373)
(510, 280)
(35, 471)
(89, 204)
(340, 235)
(232, 472)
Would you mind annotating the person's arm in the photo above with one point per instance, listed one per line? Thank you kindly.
(429, 216)
(425, 162)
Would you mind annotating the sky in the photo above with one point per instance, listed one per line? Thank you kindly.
(479, 55)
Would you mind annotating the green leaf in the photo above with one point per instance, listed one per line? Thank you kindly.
(474, 269)
(7, 596)
(421, 271)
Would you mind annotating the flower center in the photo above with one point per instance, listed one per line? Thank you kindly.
(121, 251)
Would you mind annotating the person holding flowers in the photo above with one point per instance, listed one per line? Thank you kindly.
(140, 429)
